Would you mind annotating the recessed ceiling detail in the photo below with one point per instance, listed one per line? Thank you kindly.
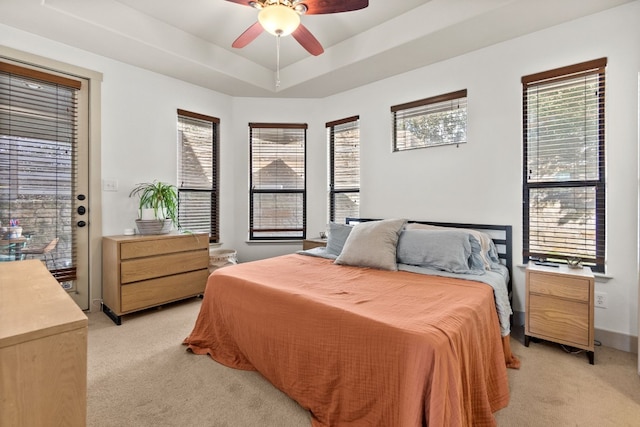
(191, 39)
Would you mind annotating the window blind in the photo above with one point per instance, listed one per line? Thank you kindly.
(198, 173)
(344, 168)
(564, 164)
(277, 181)
(38, 159)
(439, 120)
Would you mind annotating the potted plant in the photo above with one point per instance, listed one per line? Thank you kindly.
(162, 200)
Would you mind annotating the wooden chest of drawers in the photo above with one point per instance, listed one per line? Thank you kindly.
(139, 272)
(43, 350)
(559, 306)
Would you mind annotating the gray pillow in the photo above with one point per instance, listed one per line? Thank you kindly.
(338, 234)
(372, 244)
(445, 250)
(483, 239)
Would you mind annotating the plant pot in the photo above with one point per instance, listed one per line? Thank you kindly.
(147, 214)
(154, 226)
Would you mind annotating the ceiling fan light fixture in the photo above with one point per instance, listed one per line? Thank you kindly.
(279, 20)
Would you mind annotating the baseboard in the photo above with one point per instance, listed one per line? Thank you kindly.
(617, 340)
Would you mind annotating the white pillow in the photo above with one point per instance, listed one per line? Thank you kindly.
(372, 244)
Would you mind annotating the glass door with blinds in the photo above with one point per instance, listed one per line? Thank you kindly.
(44, 174)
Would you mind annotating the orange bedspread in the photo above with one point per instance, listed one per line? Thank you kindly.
(359, 346)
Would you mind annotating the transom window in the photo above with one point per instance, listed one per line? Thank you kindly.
(564, 164)
(439, 120)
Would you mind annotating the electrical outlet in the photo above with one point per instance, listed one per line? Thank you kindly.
(601, 299)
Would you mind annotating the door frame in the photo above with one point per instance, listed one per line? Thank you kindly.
(94, 218)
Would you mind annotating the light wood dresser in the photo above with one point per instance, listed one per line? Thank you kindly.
(559, 306)
(140, 272)
(43, 349)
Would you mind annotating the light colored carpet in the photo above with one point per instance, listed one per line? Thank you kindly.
(139, 374)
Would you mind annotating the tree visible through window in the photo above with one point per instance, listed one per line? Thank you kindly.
(429, 122)
(277, 181)
(344, 168)
(198, 173)
(564, 167)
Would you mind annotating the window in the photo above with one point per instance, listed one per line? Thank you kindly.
(344, 169)
(564, 164)
(277, 182)
(440, 120)
(198, 173)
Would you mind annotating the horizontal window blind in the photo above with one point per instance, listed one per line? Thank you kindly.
(198, 173)
(38, 159)
(439, 120)
(564, 167)
(277, 181)
(344, 169)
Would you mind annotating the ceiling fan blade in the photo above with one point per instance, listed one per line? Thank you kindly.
(244, 2)
(318, 7)
(307, 40)
(248, 36)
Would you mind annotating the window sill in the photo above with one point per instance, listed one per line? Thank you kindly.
(271, 242)
(599, 277)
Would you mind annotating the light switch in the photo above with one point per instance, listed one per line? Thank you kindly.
(109, 185)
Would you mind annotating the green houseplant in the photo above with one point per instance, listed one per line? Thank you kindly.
(162, 199)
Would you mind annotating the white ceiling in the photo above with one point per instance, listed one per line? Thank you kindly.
(191, 39)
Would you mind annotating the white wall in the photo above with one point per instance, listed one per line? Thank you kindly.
(476, 182)
(261, 110)
(481, 181)
(139, 114)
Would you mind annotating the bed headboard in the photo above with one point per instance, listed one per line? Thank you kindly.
(500, 234)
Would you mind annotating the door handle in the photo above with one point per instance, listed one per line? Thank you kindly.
(81, 223)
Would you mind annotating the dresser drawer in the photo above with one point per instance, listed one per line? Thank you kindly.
(145, 248)
(149, 293)
(138, 269)
(574, 288)
(560, 319)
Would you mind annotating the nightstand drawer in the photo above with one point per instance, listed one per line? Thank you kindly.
(560, 286)
(560, 319)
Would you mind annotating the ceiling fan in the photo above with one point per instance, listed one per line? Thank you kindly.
(282, 17)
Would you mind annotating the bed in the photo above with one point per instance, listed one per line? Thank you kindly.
(360, 338)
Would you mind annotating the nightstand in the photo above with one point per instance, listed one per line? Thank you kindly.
(559, 306)
(315, 242)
